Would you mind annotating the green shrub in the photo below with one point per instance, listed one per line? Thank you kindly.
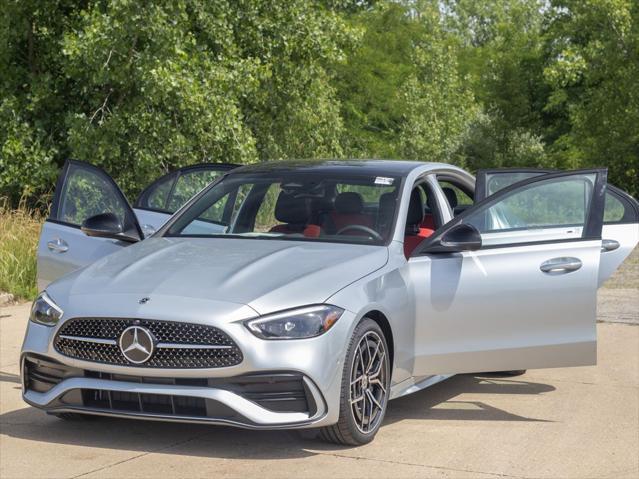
(19, 233)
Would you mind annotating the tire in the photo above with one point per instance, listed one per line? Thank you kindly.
(358, 423)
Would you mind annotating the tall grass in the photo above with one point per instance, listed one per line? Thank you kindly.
(19, 232)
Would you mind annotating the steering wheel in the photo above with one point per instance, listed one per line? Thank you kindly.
(371, 232)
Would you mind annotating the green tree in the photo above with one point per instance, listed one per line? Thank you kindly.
(593, 69)
(438, 101)
(143, 87)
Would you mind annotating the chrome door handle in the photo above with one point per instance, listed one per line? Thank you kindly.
(609, 245)
(560, 265)
(58, 246)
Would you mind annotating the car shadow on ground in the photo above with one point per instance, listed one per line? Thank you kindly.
(432, 404)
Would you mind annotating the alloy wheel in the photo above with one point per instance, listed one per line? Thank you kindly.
(368, 385)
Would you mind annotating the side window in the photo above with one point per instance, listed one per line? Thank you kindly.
(613, 210)
(554, 209)
(461, 197)
(223, 213)
(87, 192)
(156, 198)
(215, 213)
(188, 184)
(500, 180)
(620, 208)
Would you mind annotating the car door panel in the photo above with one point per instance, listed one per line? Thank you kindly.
(503, 307)
(627, 237)
(620, 231)
(78, 250)
(621, 213)
(483, 311)
(82, 191)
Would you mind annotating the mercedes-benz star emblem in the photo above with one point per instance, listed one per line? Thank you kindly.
(144, 300)
(137, 344)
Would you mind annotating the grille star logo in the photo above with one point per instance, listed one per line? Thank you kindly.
(137, 344)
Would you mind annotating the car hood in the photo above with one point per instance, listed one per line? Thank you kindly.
(267, 275)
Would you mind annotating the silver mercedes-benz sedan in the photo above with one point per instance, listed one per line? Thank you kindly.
(308, 295)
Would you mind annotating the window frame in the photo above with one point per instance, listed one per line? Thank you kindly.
(173, 176)
(165, 230)
(593, 224)
(61, 189)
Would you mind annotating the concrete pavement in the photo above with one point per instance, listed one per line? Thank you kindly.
(577, 422)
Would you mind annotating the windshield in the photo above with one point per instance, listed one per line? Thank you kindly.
(294, 206)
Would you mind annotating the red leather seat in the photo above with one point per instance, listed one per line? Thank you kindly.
(348, 211)
(294, 213)
(428, 221)
(415, 234)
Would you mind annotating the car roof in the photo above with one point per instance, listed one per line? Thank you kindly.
(340, 167)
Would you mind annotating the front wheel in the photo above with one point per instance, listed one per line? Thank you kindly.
(365, 387)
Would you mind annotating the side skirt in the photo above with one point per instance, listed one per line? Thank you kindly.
(412, 385)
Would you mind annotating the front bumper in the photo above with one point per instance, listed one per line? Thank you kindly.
(291, 384)
(265, 400)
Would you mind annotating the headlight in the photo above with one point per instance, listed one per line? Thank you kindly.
(297, 323)
(45, 311)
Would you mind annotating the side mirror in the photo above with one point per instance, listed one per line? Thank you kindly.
(462, 237)
(106, 225)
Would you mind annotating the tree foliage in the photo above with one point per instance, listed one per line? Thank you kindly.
(141, 87)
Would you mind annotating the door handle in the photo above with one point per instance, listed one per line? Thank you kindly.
(58, 245)
(560, 265)
(609, 245)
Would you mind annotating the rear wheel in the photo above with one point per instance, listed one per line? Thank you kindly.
(365, 387)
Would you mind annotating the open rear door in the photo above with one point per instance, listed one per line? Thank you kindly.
(620, 232)
(82, 191)
(166, 195)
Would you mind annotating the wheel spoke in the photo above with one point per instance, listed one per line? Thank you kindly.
(361, 359)
(368, 416)
(357, 379)
(379, 367)
(378, 383)
(373, 400)
(372, 358)
(363, 418)
(357, 399)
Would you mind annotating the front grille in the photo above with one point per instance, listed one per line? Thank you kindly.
(276, 391)
(179, 345)
(147, 403)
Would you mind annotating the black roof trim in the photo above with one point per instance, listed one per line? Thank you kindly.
(354, 167)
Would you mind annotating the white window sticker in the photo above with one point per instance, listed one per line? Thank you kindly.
(383, 180)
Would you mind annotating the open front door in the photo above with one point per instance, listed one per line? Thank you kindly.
(527, 298)
(166, 195)
(82, 191)
(620, 232)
